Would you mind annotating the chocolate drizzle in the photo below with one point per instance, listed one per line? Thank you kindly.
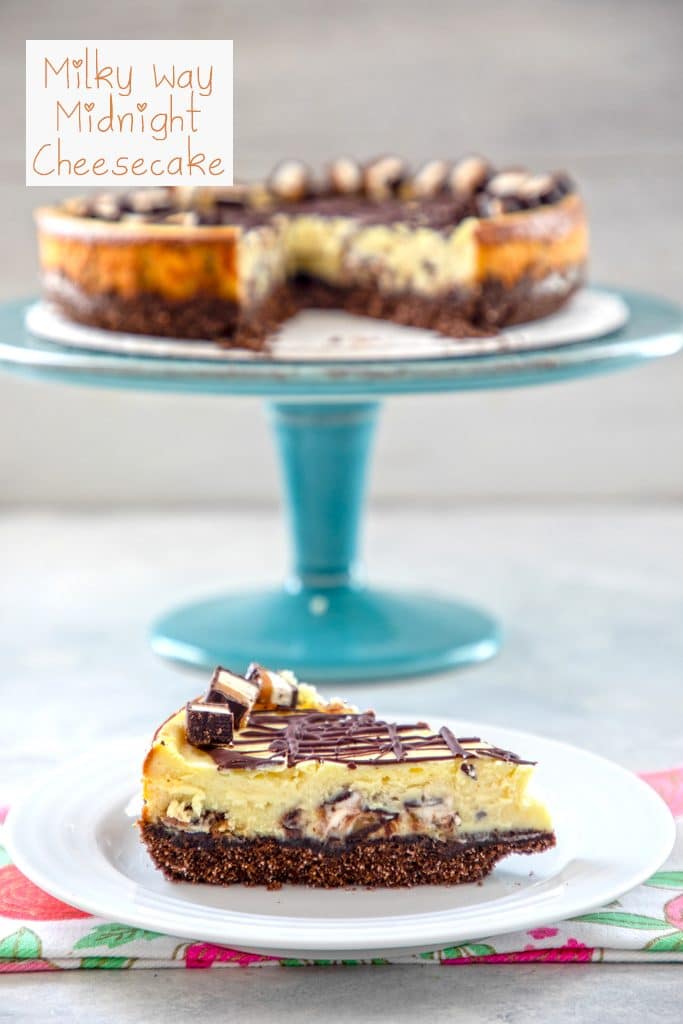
(271, 740)
(452, 743)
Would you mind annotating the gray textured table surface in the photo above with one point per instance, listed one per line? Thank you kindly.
(592, 601)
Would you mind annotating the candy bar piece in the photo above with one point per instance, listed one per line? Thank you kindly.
(469, 175)
(383, 177)
(208, 725)
(235, 691)
(275, 690)
(430, 179)
(291, 180)
(107, 207)
(507, 183)
(345, 176)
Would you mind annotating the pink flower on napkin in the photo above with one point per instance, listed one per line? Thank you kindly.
(543, 933)
(201, 955)
(22, 900)
(673, 912)
(572, 952)
(25, 966)
(669, 785)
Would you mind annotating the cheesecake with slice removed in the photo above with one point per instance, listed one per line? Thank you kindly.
(319, 793)
(461, 248)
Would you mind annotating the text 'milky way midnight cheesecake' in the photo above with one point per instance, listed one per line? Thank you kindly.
(263, 782)
(459, 248)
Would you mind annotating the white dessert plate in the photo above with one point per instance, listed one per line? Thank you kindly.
(74, 836)
(318, 335)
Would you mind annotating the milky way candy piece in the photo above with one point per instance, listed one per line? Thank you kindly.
(535, 187)
(507, 183)
(345, 176)
(208, 725)
(383, 177)
(77, 207)
(430, 179)
(291, 180)
(562, 186)
(106, 207)
(237, 692)
(275, 691)
(469, 175)
(148, 200)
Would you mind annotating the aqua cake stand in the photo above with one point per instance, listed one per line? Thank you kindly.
(325, 622)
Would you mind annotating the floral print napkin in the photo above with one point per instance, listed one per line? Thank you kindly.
(39, 933)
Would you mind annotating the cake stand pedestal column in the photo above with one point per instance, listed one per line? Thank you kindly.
(325, 622)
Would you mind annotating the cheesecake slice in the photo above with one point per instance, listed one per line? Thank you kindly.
(324, 795)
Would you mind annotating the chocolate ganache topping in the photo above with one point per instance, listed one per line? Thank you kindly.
(438, 195)
(352, 739)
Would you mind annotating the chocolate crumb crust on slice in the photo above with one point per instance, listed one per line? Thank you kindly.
(381, 863)
(318, 793)
(461, 248)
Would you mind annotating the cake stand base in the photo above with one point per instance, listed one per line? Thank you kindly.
(336, 634)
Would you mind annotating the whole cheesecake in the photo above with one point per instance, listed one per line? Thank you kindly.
(460, 248)
(263, 782)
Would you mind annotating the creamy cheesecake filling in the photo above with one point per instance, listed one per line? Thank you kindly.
(317, 245)
(398, 258)
(262, 262)
(430, 792)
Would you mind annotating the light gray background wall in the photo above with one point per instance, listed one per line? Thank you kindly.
(593, 86)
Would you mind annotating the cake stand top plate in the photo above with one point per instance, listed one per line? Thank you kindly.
(653, 329)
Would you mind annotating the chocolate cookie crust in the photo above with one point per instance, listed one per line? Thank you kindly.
(197, 318)
(478, 313)
(393, 863)
(456, 315)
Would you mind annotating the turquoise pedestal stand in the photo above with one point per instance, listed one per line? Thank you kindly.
(325, 621)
